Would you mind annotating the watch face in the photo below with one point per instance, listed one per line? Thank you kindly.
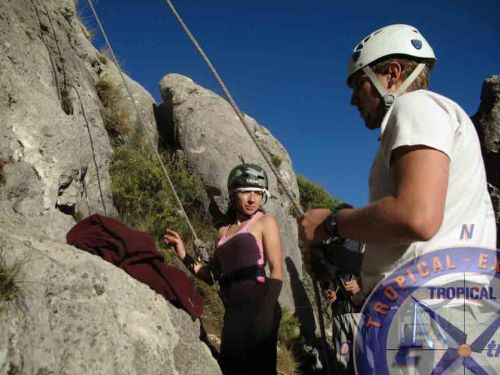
(332, 225)
(438, 314)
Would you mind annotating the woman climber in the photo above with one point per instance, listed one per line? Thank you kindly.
(252, 239)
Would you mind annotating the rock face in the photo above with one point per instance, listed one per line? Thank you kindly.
(487, 122)
(213, 139)
(77, 314)
(54, 149)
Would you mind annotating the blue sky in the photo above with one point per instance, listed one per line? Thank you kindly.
(285, 62)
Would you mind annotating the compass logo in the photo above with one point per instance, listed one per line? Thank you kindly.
(438, 314)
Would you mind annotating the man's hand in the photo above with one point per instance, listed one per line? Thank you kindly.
(316, 265)
(330, 296)
(311, 226)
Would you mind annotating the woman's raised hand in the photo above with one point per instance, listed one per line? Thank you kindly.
(174, 239)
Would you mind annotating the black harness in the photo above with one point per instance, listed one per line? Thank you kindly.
(245, 273)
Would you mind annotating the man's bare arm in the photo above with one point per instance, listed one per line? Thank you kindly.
(414, 212)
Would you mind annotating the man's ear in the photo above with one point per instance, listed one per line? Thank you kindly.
(394, 75)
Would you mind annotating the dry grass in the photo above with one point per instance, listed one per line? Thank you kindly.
(116, 121)
(117, 125)
(288, 335)
(86, 20)
(9, 281)
(287, 364)
(103, 59)
(107, 90)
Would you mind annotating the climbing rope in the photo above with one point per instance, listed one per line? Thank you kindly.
(298, 209)
(139, 118)
(93, 157)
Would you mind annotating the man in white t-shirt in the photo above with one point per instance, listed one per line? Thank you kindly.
(427, 182)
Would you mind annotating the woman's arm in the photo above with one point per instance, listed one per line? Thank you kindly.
(271, 240)
(201, 271)
(264, 321)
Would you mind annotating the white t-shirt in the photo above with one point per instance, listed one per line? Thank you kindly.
(426, 118)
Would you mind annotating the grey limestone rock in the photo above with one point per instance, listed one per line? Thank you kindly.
(77, 314)
(487, 122)
(54, 148)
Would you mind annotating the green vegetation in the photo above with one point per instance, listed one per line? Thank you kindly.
(142, 195)
(315, 196)
(276, 160)
(116, 121)
(288, 337)
(289, 329)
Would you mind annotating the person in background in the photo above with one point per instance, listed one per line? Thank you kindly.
(338, 293)
(243, 248)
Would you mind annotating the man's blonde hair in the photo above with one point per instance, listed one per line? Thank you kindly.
(407, 65)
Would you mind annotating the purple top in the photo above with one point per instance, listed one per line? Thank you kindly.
(239, 251)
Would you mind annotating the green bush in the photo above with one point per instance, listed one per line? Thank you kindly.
(142, 195)
(314, 196)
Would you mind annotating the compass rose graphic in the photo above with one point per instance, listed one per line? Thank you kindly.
(438, 314)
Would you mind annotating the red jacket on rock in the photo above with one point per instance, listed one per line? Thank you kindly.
(135, 253)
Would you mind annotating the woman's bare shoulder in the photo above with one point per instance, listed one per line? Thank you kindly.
(267, 220)
(220, 232)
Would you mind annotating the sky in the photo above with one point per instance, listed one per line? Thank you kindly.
(285, 63)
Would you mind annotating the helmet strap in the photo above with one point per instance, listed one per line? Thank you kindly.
(388, 98)
(411, 78)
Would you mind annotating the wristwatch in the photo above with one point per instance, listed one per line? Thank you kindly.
(189, 262)
(330, 224)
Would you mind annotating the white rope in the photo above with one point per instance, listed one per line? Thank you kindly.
(139, 118)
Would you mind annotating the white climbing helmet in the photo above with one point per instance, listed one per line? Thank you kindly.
(389, 40)
(403, 40)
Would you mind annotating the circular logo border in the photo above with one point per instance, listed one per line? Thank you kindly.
(383, 303)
